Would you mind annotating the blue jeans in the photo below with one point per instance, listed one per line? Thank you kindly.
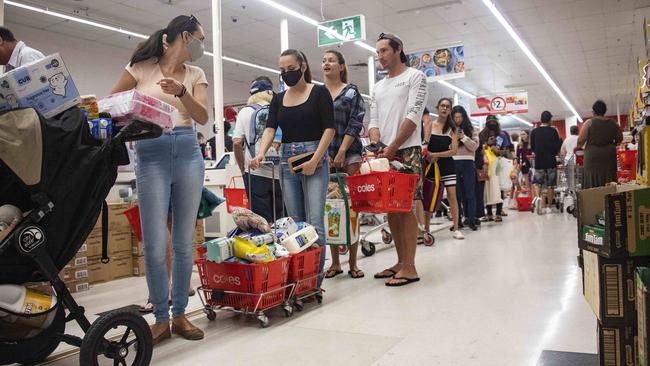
(169, 175)
(304, 196)
(466, 187)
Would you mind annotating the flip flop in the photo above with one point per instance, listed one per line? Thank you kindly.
(357, 273)
(330, 273)
(420, 240)
(406, 281)
(380, 275)
(146, 308)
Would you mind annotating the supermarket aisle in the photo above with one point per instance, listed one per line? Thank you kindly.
(497, 298)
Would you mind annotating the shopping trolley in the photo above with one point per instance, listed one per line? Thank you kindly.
(304, 272)
(576, 167)
(249, 289)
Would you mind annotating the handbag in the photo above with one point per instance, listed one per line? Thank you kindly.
(482, 174)
(432, 189)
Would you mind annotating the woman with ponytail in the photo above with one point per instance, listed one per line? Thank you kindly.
(170, 169)
(305, 113)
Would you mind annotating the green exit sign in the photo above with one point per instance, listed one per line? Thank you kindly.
(342, 30)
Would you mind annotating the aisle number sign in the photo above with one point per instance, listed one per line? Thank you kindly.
(509, 103)
(342, 30)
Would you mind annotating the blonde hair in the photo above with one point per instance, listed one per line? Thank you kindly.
(263, 97)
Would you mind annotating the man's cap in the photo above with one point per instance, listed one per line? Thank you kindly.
(260, 86)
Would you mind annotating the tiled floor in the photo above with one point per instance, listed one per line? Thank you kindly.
(499, 297)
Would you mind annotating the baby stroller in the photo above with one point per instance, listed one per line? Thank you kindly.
(57, 173)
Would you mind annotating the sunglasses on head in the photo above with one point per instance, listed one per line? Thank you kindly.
(189, 20)
(389, 36)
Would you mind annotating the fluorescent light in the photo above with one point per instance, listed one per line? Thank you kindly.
(517, 118)
(75, 19)
(249, 64)
(454, 87)
(366, 46)
(497, 14)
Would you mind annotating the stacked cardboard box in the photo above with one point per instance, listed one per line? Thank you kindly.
(612, 249)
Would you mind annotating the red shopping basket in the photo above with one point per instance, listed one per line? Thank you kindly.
(235, 197)
(252, 283)
(304, 268)
(524, 200)
(382, 192)
(133, 215)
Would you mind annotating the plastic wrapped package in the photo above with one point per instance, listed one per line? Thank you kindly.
(247, 250)
(133, 104)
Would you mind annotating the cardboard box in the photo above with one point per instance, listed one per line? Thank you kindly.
(93, 245)
(137, 247)
(97, 271)
(118, 243)
(617, 345)
(643, 157)
(138, 266)
(44, 85)
(121, 266)
(199, 233)
(609, 287)
(78, 286)
(74, 274)
(117, 221)
(643, 314)
(627, 211)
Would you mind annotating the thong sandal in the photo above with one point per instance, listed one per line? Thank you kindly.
(357, 273)
(146, 308)
(387, 273)
(330, 273)
(403, 281)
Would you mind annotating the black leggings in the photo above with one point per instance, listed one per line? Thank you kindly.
(499, 209)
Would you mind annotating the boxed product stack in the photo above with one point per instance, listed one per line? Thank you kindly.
(119, 247)
(613, 230)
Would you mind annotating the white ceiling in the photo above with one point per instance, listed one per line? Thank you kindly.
(589, 47)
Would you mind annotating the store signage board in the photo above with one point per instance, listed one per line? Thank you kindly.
(506, 103)
(439, 64)
(443, 63)
(342, 30)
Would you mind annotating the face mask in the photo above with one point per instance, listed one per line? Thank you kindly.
(196, 48)
(492, 126)
(292, 77)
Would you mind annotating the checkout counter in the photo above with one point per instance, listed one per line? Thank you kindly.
(218, 175)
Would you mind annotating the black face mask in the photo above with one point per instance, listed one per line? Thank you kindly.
(291, 77)
(492, 126)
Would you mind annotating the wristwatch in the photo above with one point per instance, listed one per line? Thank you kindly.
(425, 142)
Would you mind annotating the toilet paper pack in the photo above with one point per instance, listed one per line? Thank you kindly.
(45, 85)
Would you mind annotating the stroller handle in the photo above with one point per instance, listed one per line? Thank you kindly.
(138, 130)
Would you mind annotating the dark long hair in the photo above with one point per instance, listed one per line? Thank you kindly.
(153, 47)
(524, 144)
(466, 125)
(341, 59)
(301, 58)
(449, 123)
(483, 135)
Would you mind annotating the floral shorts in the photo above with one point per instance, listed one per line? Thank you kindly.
(412, 156)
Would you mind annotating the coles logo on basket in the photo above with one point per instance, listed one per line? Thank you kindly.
(366, 188)
(229, 280)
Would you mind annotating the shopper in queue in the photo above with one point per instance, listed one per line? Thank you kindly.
(427, 121)
(522, 160)
(305, 113)
(568, 154)
(170, 168)
(464, 162)
(15, 53)
(443, 146)
(501, 147)
(398, 104)
(545, 143)
(247, 140)
(599, 136)
(345, 150)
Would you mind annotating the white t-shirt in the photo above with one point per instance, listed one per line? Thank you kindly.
(242, 130)
(568, 146)
(22, 55)
(394, 99)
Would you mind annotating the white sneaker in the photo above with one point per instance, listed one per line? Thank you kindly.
(548, 210)
(458, 235)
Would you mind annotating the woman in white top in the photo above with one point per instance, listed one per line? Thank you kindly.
(170, 169)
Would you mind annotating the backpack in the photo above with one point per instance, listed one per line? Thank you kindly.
(256, 126)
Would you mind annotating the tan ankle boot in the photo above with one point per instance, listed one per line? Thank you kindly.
(160, 332)
(185, 329)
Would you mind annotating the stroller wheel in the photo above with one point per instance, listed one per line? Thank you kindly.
(133, 348)
(386, 237)
(37, 348)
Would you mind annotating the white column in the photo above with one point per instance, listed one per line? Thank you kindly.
(569, 120)
(371, 74)
(217, 81)
(455, 98)
(284, 34)
(618, 112)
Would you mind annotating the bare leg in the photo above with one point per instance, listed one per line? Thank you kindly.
(394, 225)
(427, 221)
(354, 249)
(453, 203)
(408, 230)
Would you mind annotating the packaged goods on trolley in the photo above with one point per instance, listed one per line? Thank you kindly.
(90, 106)
(45, 85)
(133, 104)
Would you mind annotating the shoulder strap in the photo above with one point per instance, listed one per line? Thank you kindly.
(251, 129)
